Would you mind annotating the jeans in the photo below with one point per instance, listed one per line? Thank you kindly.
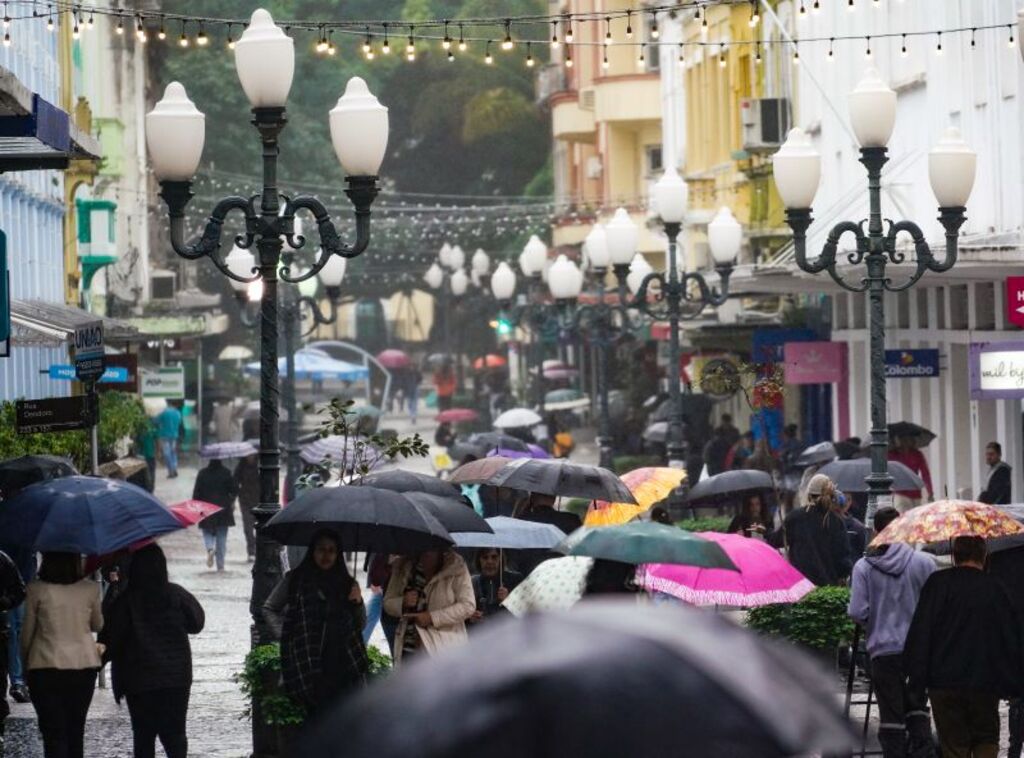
(151, 465)
(413, 400)
(217, 541)
(967, 722)
(373, 610)
(170, 450)
(15, 616)
(904, 723)
(159, 713)
(61, 698)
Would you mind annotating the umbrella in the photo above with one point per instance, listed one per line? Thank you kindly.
(558, 370)
(517, 418)
(490, 361)
(235, 353)
(556, 477)
(729, 485)
(491, 440)
(312, 363)
(83, 514)
(393, 359)
(656, 432)
(944, 520)
(512, 534)
(18, 473)
(365, 518)
(438, 359)
(568, 405)
(453, 513)
(122, 468)
(849, 475)
(764, 576)
(646, 542)
(637, 686)
(561, 396)
(823, 452)
(554, 585)
(359, 411)
(922, 437)
(342, 448)
(191, 512)
(219, 451)
(457, 415)
(649, 485)
(532, 451)
(400, 480)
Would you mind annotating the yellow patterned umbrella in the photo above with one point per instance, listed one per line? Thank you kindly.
(944, 520)
(648, 485)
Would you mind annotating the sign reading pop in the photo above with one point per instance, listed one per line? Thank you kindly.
(911, 364)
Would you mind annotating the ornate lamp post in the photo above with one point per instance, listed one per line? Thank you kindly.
(797, 170)
(448, 277)
(676, 287)
(265, 61)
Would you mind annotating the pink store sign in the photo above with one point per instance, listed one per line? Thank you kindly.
(815, 362)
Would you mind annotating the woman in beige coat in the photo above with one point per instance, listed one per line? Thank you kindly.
(62, 611)
(432, 595)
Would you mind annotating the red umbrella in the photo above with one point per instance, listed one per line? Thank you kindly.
(490, 361)
(393, 359)
(457, 415)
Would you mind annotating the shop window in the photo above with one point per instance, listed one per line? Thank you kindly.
(985, 305)
(940, 306)
(922, 307)
(840, 315)
(652, 160)
(860, 303)
(903, 310)
(958, 306)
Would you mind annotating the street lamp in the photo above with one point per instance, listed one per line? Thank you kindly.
(448, 277)
(265, 62)
(676, 288)
(951, 168)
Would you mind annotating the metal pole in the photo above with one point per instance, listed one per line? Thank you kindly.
(290, 315)
(675, 447)
(604, 435)
(199, 395)
(94, 431)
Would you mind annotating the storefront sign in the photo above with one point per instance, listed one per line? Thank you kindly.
(167, 382)
(911, 364)
(997, 370)
(769, 345)
(1015, 300)
(89, 352)
(815, 362)
(64, 372)
(129, 363)
(56, 414)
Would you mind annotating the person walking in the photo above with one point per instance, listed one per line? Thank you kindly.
(12, 594)
(145, 445)
(146, 637)
(25, 561)
(168, 429)
(61, 657)
(317, 613)
(816, 537)
(716, 451)
(247, 482)
(905, 451)
(753, 520)
(214, 484)
(491, 584)
(432, 596)
(740, 451)
(884, 589)
(413, 379)
(965, 647)
(444, 385)
(997, 485)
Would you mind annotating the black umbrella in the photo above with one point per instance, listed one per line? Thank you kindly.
(496, 440)
(400, 480)
(638, 687)
(921, 436)
(656, 432)
(546, 476)
(823, 452)
(18, 473)
(729, 485)
(849, 475)
(454, 514)
(365, 518)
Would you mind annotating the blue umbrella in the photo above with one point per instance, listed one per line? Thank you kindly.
(512, 534)
(83, 514)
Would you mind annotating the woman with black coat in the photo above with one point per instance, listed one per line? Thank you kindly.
(317, 612)
(214, 484)
(146, 634)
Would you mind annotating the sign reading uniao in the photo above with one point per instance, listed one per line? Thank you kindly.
(911, 364)
(89, 352)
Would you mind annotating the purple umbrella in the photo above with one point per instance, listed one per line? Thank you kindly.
(535, 451)
(219, 451)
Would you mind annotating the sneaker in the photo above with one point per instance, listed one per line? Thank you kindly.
(209, 559)
(19, 693)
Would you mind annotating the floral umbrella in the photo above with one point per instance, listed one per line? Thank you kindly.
(945, 520)
(648, 485)
(764, 576)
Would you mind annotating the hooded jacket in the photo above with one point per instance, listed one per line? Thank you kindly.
(883, 595)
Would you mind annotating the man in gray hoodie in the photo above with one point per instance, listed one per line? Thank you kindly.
(884, 589)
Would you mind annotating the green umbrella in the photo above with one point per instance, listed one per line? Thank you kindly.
(359, 411)
(640, 542)
(560, 396)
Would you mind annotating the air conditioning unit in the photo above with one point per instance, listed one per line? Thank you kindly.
(586, 99)
(594, 167)
(765, 122)
(162, 285)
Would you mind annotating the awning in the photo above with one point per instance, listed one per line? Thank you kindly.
(41, 324)
(183, 325)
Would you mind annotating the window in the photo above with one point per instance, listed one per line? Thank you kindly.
(652, 159)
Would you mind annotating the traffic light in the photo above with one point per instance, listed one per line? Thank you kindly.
(502, 326)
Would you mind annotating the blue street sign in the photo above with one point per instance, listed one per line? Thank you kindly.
(911, 364)
(67, 373)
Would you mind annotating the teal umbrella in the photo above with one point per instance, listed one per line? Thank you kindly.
(646, 542)
(560, 396)
(371, 411)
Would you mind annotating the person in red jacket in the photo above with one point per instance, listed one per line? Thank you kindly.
(905, 451)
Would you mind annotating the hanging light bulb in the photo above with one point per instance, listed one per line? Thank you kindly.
(201, 39)
(367, 43)
(231, 40)
(851, 6)
(446, 43)
(568, 57)
(703, 20)
(554, 35)
(796, 55)
(721, 55)
(816, 7)
(682, 55)
(507, 43)
(1011, 41)
(161, 33)
(757, 54)
(608, 30)
(629, 24)
(867, 48)
(386, 45)
(641, 61)
(938, 45)
(903, 47)
(90, 22)
(49, 23)
(7, 39)
(567, 25)
(119, 29)
(75, 33)
(488, 58)
(831, 54)
(7, 18)
(655, 31)
(462, 40)
(755, 17)
(529, 56)
(331, 49)
(604, 59)
(802, 13)
(410, 47)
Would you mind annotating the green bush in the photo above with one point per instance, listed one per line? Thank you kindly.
(380, 662)
(818, 621)
(258, 681)
(624, 463)
(706, 524)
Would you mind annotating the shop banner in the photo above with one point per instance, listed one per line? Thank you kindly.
(911, 364)
(815, 362)
(166, 382)
(997, 370)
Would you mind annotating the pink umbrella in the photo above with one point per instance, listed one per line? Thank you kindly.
(764, 576)
(457, 415)
(393, 359)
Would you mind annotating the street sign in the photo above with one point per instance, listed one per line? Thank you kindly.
(63, 372)
(1015, 300)
(911, 364)
(167, 382)
(56, 414)
(89, 352)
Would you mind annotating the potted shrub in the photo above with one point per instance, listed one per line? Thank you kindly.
(818, 623)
